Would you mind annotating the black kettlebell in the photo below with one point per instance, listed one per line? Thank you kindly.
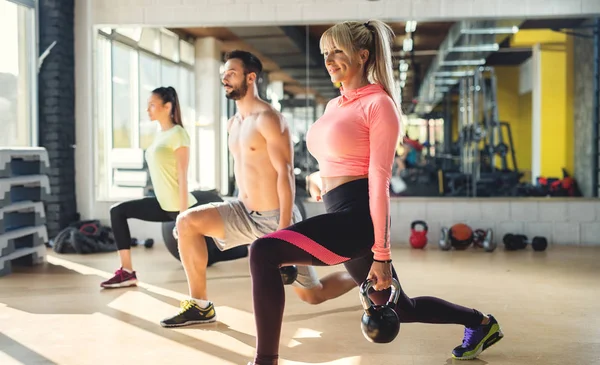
(379, 323)
(288, 274)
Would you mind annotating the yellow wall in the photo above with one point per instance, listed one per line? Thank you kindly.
(556, 135)
(516, 111)
(523, 135)
(554, 119)
(531, 37)
(454, 122)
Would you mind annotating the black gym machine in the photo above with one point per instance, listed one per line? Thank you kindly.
(481, 142)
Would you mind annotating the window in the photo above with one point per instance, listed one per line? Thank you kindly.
(169, 74)
(18, 86)
(149, 80)
(187, 99)
(123, 58)
(129, 64)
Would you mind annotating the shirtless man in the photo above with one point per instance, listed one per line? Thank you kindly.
(260, 142)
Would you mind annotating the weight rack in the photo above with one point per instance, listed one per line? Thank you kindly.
(24, 187)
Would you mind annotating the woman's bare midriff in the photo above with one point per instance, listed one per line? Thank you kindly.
(330, 183)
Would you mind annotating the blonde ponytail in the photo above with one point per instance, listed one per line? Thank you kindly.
(380, 66)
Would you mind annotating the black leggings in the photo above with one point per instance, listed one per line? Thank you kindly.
(343, 235)
(148, 209)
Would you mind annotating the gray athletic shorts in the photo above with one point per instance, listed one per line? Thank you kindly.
(242, 227)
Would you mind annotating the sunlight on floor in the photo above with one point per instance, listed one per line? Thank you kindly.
(56, 314)
(354, 360)
(97, 337)
(86, 270)
(154, 311)
(119, 339)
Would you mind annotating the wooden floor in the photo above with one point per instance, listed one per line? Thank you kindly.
(547, 304)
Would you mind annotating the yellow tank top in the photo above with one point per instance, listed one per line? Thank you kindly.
(162, 165)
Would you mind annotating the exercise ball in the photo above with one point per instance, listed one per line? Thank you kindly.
(203, 197)
(298, 202)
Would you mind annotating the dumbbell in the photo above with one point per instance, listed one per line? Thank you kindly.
(148, 243)
(513, 242)
(288, 274)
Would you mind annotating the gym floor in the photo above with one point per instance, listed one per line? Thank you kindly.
(56, 313)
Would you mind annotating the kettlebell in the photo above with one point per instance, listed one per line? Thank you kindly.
(489, 245)
(445, 244)
(418, 238)
(379, 323)
(478, 237)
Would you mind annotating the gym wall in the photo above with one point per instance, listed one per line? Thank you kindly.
(515, 109)
(554, 118)
(582, 111)
(551, 70)
(561, 221)
(268, 12)
(509, 110)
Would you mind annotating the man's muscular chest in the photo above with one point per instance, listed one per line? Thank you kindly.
(244, 137)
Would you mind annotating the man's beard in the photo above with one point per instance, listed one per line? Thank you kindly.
(239, 92)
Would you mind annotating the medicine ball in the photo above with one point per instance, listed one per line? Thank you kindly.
(461, 236)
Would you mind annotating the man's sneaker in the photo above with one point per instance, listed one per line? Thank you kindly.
(478, 339)
(191, 313)
(121, 279)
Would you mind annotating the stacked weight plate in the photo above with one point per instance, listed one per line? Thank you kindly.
(24, 186)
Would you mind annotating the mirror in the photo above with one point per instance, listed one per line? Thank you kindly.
(492, 107)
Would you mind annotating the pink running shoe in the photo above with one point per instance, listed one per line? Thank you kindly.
(121, 279)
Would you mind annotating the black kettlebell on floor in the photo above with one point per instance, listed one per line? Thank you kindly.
(379, 323)
(288, 274)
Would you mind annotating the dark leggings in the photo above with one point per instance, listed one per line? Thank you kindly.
(148, 209)
(343, 235)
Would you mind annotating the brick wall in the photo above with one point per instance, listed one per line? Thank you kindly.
(57, 109)
(561, 221)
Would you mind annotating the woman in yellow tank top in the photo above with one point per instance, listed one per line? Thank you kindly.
(167, 159)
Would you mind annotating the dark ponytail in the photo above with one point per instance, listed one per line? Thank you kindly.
(169, 95)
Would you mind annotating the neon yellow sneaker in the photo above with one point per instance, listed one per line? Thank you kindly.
(191, 313)
(478, 339)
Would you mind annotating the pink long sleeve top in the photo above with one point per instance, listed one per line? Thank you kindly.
(358, 135)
